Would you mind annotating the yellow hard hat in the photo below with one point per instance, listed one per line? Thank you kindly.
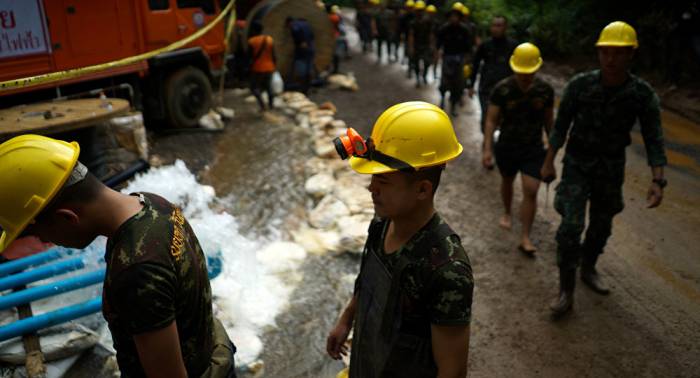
(420, 5)
(467, 71)
(410, 4)
(618, 34)
(416, 132)
(526, 59)
(431, 9)
(465, 10)
(343, 373)
(374, 2)
(335, 9)
(457, 6)
(33, 170)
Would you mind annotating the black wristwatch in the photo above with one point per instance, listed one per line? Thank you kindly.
(660, 182)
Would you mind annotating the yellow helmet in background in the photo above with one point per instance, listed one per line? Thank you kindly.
(431, 9)
(618, 34)
(33, 169)
(457, 7)
(467, 71)
(416, 132)
(374, 2)
(526, 59)
(420, 5)
(410, 4)
(335, 9)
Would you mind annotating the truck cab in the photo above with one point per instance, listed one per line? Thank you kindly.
(38, 37)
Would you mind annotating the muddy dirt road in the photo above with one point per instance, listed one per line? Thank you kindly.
(649, 326)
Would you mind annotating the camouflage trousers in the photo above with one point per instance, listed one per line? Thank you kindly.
(599, 186)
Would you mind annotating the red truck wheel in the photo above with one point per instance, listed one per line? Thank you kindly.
(187, 97)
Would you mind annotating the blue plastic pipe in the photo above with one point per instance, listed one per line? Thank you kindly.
(26, 262)
(35, 323)
(40, 273)
(51, 289)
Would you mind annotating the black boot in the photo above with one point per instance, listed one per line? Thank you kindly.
(590, 276)
(563, 303)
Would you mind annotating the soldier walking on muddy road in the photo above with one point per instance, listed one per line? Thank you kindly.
(363, 24)
(491, 63)
(521, 107)
(421, 43)
(603, 106)
(411, 307)
(455, 42)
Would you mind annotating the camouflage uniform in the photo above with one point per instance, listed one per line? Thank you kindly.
(157, 274)
(385, 19)
(429, 282)
(520, 146)
(423, 30)
(491, 63)
(594, 163)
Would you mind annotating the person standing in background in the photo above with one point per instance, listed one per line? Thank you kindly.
(491, 63)
(262, 65)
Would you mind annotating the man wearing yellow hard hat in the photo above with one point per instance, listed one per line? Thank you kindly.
(597, 112)
(521, 107)
(406, 17)
(411, 307)
(421, 43)
(455, 42)
(156, 294)
(363, 24)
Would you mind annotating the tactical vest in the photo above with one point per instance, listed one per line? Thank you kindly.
(380, 348)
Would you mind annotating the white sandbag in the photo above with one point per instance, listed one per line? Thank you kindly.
(319, 185)
(276, 83)
(327, 212)
(317, 242)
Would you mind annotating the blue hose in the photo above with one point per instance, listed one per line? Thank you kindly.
(35, 323)
(51, 289)
(40, 273)
(25, 262)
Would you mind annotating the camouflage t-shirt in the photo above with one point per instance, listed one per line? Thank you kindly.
(441, 295)
(157, 274)
(522, 114)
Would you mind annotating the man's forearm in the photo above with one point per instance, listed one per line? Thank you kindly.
(657, 172)
(551, 155)
(348, 314)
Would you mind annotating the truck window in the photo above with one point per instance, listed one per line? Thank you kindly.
(159, 4)
(206, 5)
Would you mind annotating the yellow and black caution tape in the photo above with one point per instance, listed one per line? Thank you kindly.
(76, 72)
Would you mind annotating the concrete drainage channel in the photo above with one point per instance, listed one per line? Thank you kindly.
(279, 294)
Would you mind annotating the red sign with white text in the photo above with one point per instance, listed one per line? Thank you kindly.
(22, 28)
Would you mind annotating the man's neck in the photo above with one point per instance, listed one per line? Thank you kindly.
(613, 80)
(406, 227)
(112, 209)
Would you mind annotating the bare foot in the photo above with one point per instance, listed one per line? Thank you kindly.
(526, 246)
(505, 222)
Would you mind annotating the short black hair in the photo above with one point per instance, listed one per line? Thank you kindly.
(256, 28)
(504, 18)
(83, 191)
(432, 174)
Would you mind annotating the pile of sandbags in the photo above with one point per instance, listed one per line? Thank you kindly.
(346, 82)
(341, 207)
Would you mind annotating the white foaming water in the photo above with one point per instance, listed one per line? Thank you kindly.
(253, 286)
